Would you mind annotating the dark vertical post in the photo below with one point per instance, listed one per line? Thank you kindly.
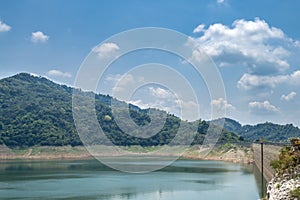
(262, 165)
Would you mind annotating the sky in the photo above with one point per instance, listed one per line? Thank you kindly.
(254, 44)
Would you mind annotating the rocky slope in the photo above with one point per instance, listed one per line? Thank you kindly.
(281, 187)
(286, 183)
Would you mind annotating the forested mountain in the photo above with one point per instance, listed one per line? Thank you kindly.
(37, 111)
(270, 131)
(230, 125)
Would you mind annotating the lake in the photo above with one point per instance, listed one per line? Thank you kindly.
(88, 179)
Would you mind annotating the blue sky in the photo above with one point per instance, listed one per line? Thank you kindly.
(255, 45)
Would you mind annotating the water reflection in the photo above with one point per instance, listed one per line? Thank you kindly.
(259, 182)
(88, 179)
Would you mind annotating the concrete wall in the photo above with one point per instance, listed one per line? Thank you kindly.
(271, 152)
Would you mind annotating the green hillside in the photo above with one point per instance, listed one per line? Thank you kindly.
(270, 131)
(37, 111)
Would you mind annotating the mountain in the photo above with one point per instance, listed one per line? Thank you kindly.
(269, 131)
(37, 111)
(230, 125)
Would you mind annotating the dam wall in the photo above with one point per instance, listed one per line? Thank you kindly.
(270, 152)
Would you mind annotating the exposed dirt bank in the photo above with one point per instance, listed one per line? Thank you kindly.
(227, 152)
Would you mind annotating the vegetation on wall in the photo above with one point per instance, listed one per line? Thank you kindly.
(289, 158)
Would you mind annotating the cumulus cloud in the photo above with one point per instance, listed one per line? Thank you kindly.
(221, 104)
(151, 96)
(262, 48)
(288, 97)
(34, 74)
(220, 1)
(199, 28)
(4, 27)
(251, 81)
(263, 107)
(159, 104)
(106, 50)
(39, 37)
(58, 73)
(186, 110)
(113, 78)
(122, 82)
(160, 92)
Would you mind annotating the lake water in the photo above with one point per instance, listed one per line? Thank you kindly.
(88, 179)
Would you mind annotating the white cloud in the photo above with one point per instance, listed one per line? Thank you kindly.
(220, 1)
(221, 104)
(34, 74)
(255, 44)
(113, 78)
(126, 81)
(187, 110)
(121, 82)
(58, 73)
(4, 27)
(151, 96)
(141, 104)
(126, 78)
(159, 104)
(164, 99)
(160, 92)
(106, 50)
(39, 37)
(219, 107)
(294, 78)
(288, 97)
(199, 28)
(250, 81)
(263, 107)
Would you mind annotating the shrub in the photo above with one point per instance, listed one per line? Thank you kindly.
(295, 193)
(288, 158)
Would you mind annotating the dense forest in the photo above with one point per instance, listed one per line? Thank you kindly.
(37, 111)
(269, 131)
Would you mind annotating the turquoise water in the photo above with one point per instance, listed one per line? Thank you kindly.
(88, 179)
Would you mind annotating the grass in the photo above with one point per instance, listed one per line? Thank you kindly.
(20, 152)
(49, 150)
(295, 193)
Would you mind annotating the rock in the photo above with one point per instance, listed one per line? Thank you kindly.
(280, 188)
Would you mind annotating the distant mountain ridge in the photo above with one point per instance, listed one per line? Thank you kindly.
(37, 111)
(269, 131)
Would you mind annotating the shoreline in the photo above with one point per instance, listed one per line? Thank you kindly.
(227, 153)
